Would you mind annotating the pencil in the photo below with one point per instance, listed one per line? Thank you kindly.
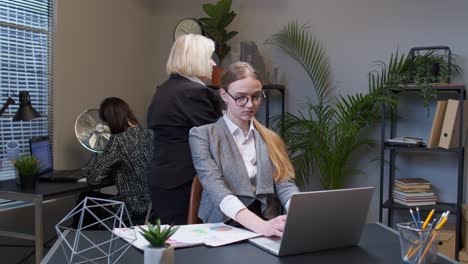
(428, 246)
(428, 218)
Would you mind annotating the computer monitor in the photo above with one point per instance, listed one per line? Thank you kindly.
(40, 148)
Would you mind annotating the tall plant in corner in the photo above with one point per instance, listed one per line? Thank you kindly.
(323, 135)
(219, 17)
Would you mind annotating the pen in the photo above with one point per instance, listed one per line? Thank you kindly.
(428, 218)
(433, 223)
(418, 217)
(442, 217)
(439, 226)
(414, 219)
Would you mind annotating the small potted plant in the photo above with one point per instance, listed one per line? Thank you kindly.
(214, 26)
(28, 169)
(158, 251)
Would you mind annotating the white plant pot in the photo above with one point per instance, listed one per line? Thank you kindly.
(159, 255)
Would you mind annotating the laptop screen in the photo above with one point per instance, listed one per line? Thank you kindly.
(40, 148)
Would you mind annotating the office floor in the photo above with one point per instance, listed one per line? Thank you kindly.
(19, 219)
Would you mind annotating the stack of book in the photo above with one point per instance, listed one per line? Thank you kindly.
(413, 192)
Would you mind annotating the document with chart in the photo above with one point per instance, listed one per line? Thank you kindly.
(214, 235)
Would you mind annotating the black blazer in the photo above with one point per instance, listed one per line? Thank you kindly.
(178, 105)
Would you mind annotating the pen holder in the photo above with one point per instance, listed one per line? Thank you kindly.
(418, 246)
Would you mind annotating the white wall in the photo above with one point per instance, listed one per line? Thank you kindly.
(355, 34)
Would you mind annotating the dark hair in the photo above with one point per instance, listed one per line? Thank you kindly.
(117, 114)
(238, 71)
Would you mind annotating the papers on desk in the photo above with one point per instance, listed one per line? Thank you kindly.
(213, 235)
(82, 179)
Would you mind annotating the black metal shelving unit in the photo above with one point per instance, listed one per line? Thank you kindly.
(268, 88)
(391, 150)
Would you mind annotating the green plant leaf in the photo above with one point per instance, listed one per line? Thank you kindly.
(229, 36)
(156, 235)
(226, 20)
(224, 6)
(209, 9)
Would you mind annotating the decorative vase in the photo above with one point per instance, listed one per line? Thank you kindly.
(216, 75)
(28, 181)
(159, 255)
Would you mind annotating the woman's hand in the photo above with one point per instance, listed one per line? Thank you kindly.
(273, 227)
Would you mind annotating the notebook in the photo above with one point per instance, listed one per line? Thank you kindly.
(321, 220)
(41, 149)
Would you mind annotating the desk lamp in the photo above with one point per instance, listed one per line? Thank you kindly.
(25, 110)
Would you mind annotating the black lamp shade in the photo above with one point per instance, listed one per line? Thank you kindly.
(25, 111)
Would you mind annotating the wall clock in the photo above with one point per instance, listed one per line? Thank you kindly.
(187, 26)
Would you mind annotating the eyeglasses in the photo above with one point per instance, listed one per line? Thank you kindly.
(243, 100)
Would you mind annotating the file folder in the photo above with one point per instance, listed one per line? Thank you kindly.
(451, 128)
(437, 123)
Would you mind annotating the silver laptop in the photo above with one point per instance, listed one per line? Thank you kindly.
(321, 220)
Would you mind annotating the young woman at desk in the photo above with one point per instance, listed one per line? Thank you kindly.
(125, 159)
(243, 166)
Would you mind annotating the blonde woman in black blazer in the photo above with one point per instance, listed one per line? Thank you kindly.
(180, 103)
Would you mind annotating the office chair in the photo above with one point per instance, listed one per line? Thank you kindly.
(195, 197)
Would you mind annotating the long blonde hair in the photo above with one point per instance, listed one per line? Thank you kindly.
(284, 169)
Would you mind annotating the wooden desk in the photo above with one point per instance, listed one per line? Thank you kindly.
(44, 191)
(378, 244)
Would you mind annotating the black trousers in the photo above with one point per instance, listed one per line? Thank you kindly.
(171, 205)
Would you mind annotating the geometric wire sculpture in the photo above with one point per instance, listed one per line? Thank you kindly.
(81, 245)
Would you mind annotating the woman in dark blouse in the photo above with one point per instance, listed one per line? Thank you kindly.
(180, 103)
(126, 157)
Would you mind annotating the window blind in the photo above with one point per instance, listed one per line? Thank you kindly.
(25, 65)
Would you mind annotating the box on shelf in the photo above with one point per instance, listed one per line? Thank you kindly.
(447, 241)
(463, 256)
(465, 226)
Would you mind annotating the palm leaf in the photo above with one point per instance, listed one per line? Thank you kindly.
(322, 136)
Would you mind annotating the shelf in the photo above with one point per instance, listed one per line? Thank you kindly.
(442, 87)
(439, 207)
(269, 86)
(419, 149)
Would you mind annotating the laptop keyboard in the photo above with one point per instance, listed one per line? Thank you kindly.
(270, 243)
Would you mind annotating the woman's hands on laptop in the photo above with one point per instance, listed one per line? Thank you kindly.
(272, 227)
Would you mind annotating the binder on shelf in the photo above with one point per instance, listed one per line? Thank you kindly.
(436, 130)
(451, 128)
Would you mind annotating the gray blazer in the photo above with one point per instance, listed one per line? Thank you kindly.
(222, 172)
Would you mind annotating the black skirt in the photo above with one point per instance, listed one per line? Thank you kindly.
(171, 205)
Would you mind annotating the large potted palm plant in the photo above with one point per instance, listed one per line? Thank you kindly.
(323, 135)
